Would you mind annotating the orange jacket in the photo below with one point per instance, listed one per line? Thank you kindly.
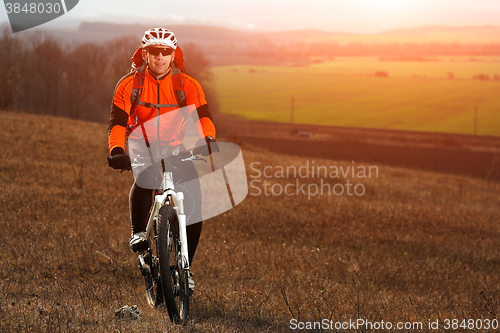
(155, 91)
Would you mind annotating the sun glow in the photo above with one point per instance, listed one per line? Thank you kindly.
(392, 6)
(399, 13)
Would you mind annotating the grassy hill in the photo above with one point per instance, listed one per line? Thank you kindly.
(416, 246)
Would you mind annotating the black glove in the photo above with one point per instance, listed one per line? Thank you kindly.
(118, 159)
(210, 142)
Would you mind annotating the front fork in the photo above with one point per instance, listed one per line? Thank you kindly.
(181, 216)
(165, 199)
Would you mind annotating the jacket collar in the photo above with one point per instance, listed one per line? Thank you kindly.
(161, 78)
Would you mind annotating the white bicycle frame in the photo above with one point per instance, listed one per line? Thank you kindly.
(163, 198)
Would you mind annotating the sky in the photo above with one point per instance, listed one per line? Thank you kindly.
(359, 16)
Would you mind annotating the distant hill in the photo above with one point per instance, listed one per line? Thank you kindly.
(92, 31)
(224, 46)
(424, 34)
(204, 35)
(446, 34)
(306, 35)
(183, 32)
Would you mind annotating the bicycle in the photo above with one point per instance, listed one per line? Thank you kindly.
(154, 149)
(164, 264)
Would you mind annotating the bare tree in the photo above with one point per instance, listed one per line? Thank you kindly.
(198, 66)
(38, 75)
(120, 53)
(89, 88)
(10, 48)
(48, 56)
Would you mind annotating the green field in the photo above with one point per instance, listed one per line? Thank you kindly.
(344, 92)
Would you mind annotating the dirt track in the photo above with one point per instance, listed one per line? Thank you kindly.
(468, 155)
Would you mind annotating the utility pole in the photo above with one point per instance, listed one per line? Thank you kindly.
(475, 120)
(291, 111)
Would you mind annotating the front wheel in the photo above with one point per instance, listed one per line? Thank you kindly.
(150, 272)
(174, 278)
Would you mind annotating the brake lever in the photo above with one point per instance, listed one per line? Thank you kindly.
(190, 158)
(193, 158)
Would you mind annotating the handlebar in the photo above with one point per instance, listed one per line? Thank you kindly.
(187, 155)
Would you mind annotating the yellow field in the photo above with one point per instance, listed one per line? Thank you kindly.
(345, 92)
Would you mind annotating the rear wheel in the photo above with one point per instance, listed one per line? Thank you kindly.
(174, 278)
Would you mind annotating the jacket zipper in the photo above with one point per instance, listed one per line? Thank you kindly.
(157, 121)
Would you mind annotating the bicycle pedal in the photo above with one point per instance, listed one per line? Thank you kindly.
(140, 247)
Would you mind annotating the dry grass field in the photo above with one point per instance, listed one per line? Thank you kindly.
(417, 246)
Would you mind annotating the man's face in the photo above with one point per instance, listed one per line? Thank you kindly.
(159, 59)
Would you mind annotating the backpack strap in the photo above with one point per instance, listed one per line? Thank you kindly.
(178, 85)
(136, 94)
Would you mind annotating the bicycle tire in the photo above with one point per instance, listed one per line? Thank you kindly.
(152, 281)
(174, 279)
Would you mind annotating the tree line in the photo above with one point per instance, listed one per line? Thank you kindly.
(40, 74)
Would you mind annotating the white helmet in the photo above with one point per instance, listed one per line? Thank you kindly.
(159, 36)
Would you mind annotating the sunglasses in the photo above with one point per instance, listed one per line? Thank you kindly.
(155, 51)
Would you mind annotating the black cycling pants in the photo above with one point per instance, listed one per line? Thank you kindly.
(141, 199)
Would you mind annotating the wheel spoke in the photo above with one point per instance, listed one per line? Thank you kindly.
(173, 276)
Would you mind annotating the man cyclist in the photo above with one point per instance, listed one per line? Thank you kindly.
(157, 97)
